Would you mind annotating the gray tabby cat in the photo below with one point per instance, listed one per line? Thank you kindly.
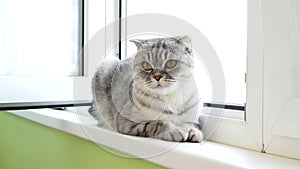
(152, 94)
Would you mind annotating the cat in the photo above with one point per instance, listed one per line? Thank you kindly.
(152, 94)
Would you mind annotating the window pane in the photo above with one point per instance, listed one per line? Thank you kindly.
(40, 37)
(224, 23)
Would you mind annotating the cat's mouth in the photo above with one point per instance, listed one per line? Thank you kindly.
(156, 86)
(159, 86)
(162, 85)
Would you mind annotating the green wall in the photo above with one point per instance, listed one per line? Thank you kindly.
(28, 145)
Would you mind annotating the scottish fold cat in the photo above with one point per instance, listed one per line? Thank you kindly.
(152, 94)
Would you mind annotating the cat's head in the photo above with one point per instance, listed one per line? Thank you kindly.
(162, 62)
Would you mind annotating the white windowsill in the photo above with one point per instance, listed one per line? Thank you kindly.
(182, 155)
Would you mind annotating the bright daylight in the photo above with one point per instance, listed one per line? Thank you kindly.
(149, 84)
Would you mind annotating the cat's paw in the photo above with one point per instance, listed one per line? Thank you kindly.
(195, 135)
(177, 134)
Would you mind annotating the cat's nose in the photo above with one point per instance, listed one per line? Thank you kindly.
(157, 77)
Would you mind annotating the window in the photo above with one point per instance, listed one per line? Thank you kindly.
(34, 44)
(281, 77)
(40, 50)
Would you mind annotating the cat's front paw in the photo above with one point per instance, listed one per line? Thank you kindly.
(195, 135)
(177, 134)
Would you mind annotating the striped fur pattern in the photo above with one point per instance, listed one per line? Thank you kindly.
(152, 94)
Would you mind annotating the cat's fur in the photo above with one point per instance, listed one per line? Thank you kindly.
(160, 102)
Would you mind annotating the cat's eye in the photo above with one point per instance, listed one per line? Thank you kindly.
(171, 64)
(146, 66)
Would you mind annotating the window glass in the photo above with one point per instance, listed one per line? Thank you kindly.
(224, 23)
(40, 37)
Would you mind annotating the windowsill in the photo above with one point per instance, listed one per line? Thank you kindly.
(170, 155)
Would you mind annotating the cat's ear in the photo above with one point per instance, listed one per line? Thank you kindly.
(184, 40)
(138, 43)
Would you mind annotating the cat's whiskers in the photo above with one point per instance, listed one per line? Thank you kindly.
(182, 79)
(145, 92)
(169, 80)
(148, 82)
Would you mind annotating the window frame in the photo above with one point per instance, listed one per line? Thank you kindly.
(281, 73)
(66, 91)
(45, 91)
(248, 133)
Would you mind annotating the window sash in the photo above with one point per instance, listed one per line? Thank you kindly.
(33, 91)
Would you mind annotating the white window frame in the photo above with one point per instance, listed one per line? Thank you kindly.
(43, 90)
(248, 133)
(281, 77)
(19, 92)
